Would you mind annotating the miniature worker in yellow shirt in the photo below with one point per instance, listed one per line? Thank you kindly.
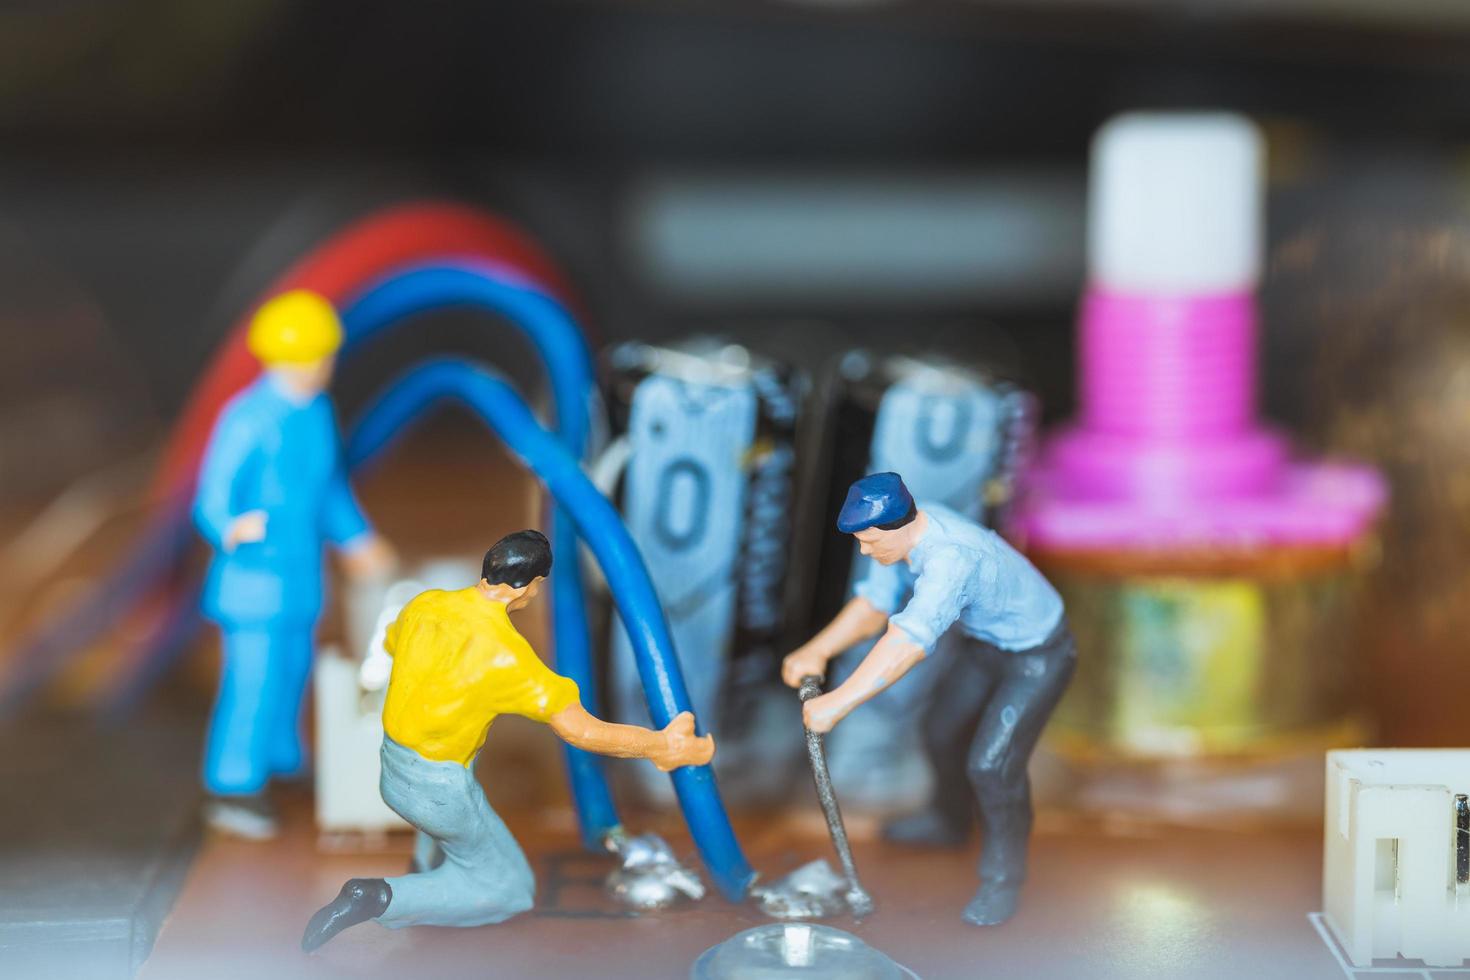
(457, 664)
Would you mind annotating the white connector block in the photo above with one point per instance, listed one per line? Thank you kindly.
(349, 702)
(349, 736)
(1392, 854)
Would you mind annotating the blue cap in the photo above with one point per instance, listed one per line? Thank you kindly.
(880, 498)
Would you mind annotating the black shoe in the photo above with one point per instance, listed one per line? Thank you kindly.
(993, 904)
(247, 817)
(302, 775)
(926, 828)
(359, 900)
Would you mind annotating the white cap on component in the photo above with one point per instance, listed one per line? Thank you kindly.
(1175, 203)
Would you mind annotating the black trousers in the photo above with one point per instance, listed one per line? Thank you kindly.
(983, 722)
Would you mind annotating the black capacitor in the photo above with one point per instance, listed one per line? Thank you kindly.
(763, 568)
(841, 429)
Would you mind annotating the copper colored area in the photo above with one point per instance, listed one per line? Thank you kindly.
(1100, 904)
(1369, 313)
(1247, 561)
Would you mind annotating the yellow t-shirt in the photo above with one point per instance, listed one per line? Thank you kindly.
(457, 663)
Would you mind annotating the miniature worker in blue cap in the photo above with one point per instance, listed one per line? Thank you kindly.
(935, 570)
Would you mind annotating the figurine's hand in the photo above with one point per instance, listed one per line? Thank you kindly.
(802, 661)
(370, 557)
(681, 746)
(375, 671)
(248, 528)
(822, 713)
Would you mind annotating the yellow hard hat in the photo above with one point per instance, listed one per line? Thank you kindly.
(295, 328)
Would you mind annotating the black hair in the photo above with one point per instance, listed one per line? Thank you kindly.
(516, 559)
(902, 521)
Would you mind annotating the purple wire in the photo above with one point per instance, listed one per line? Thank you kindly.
(39, 660)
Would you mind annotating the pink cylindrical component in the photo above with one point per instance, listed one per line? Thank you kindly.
(1167, 367)
(1166, 474)
(1167, 391)
(1167, 450)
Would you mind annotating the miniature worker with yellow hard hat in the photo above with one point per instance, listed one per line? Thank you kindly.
(272, 491)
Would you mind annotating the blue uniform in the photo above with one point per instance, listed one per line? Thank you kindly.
(1014, 659)
(961, 572)
(272, 453)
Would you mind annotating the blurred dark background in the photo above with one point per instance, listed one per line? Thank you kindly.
(151, 149)
(816, 174)
(162, 160)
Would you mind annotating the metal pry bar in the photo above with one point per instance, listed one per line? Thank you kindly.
(858, 899)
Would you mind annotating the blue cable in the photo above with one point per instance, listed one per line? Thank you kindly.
(498, 405)
(441, 285)
(400, 294)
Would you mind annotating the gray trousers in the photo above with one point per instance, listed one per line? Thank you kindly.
(986, 716)
(476, 872)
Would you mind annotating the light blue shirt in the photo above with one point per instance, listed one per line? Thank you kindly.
(960, 572)
(270, 452)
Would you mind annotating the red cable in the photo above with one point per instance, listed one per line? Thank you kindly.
(336, 269)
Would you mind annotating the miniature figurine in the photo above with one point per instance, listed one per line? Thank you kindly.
(272, 489)
(457, 664)
(999, 690)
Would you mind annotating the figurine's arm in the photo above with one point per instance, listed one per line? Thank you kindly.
(857, 621)
(674, 746)
(535, 691)
(364, 552)
(343, 521)
(230, 446)
(939, 597)
(890, 659)
(376, 669)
